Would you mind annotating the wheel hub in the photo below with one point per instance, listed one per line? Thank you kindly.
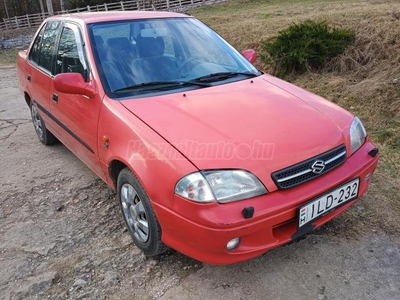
(37, 122)
(134, 213)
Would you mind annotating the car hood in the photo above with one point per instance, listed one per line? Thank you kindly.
(261, 125)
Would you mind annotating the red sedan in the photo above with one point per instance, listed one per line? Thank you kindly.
(208, 155)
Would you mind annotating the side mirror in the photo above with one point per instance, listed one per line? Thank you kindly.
(250, 55)
(73, 83)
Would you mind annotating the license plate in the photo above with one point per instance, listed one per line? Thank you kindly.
(326, 203)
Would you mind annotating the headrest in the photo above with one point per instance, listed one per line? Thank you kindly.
(120, 43)
(150, 46)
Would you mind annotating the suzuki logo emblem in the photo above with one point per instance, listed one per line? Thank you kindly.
(318, 166)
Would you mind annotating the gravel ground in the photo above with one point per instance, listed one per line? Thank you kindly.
(62, 237)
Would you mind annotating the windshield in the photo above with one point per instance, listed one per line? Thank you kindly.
(156, 56)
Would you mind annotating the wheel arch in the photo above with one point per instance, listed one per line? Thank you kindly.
(117, 164)
(114, 168)
(28, 99)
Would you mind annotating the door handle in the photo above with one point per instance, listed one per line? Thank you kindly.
(55, 98)
(29, 78)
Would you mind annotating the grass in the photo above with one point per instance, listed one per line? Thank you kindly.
(364, 80)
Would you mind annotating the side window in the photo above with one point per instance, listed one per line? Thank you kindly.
(48, 45)
(34, 54)
(70, 57)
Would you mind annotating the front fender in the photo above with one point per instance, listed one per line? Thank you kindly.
(155, 162)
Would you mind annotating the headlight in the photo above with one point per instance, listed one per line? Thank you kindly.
(222, 186)
(357, 135)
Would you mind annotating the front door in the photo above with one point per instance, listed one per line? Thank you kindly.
(76, 115)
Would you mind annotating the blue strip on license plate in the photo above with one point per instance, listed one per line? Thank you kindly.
(324, 204)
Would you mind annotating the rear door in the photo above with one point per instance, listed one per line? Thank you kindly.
(76, 115)
(40, 68)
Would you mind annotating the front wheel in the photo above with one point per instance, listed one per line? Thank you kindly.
(44, 135)
(139, 215)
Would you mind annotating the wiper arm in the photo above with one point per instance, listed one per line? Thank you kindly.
(195, 82)
(160, 83)
(221, 76)
(145, 84)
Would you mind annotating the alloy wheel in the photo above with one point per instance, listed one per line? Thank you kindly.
(134, 212)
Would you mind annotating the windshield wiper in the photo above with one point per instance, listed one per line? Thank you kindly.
(145, 84)
(202, 81)
(160, 84)
(221, 76)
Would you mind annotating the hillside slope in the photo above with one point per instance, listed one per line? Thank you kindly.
(364, 80)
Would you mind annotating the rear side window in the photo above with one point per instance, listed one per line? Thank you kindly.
(34, 54)
(43, 49)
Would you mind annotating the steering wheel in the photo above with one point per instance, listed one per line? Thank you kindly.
(186, 63)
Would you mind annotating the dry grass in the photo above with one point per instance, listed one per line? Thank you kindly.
(8, 56)
(364, 80)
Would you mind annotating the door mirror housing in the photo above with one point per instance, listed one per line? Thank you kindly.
(250, 55)
(73, 83)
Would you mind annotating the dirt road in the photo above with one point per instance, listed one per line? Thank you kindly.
(62, 237)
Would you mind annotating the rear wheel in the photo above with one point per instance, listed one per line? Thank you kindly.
(44, 135)
(139, 215)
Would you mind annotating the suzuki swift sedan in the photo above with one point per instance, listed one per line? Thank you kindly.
(208, 155)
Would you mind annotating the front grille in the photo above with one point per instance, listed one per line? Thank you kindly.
(309, 169)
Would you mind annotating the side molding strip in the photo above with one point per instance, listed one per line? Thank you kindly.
(64, 127)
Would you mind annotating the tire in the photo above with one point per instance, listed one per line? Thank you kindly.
(44, 135)
(139, 215)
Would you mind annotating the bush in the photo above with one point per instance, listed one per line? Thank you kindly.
(308, 45)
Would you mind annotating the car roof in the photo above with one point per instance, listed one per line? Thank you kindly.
(106, 16)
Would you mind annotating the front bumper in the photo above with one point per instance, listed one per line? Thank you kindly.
(202, 231)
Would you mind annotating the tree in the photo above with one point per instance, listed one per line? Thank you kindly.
(83, 3)
(23, 7)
